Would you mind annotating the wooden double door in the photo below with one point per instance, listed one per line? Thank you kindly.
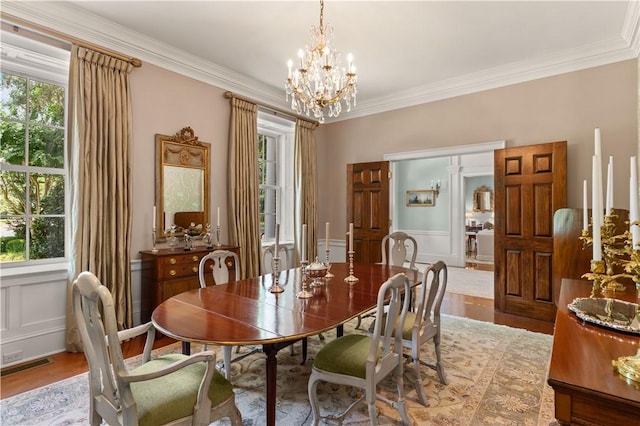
(530, 185)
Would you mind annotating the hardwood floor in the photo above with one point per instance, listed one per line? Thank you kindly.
(69, 364)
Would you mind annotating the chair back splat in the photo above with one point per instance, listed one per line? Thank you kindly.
(217, 261)
(395, 246)
(363, 361)
(170, 389)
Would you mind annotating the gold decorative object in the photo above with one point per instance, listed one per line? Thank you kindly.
(628, 366)
(616, 252)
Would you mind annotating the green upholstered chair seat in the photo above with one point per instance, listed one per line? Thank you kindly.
(173, 396)
(345, 355)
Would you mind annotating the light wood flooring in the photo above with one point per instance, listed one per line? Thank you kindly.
(65, 365)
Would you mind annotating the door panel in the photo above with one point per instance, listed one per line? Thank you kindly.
(530, 186)
(368, 208)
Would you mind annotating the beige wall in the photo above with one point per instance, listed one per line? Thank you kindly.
(565, 107)
(165, 102)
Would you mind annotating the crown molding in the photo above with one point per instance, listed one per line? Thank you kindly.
(81, 24)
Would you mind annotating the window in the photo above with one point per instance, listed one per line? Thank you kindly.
(275, 175)
(32, 150)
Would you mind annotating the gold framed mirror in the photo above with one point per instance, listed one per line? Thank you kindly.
(483, 199)
(182, 181)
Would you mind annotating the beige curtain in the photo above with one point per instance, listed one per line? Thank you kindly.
(305, 176)
(99, 131)
(244, 214)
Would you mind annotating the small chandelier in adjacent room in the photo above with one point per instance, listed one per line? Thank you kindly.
(319, 82)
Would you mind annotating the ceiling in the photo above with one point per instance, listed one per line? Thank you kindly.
(405, 53)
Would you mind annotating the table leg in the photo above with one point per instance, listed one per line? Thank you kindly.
(186, 348)
(339, 330)
(271, 351)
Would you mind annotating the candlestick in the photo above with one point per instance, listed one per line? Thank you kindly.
(326, 236)
(304, 293)
(585, 213)
(218, 243)
(275, 287)
(153, 238)
(327, 264)
(277, 248)
(351, 278)
(595, 213)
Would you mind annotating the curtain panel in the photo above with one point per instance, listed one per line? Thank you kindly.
(99, 131)
(243, 190)
(305, 177)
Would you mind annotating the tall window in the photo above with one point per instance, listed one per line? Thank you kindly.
(32, 151)
(275, 174)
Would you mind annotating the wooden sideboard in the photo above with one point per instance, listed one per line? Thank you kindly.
(166, 273)
(587, 389)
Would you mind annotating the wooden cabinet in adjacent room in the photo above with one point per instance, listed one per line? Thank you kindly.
(166, 273)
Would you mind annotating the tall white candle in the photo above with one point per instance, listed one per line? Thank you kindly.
(633, 204)
(326, 236)
(154, 217)
(351, 236)
(609, 186)
(277, 250)
(598, 179)
(303, 242)
(585, 214)
(218, 216)
(596, 211)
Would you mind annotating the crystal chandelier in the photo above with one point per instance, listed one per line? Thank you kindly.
(320, 83)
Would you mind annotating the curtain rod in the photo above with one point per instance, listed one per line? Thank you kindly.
(231, 95)
(18, 23)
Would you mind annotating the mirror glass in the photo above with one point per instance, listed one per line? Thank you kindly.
(483, 199)
(182, 181)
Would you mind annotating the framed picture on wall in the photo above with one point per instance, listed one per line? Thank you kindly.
(421, 198)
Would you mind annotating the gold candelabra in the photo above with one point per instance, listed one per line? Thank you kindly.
(619, 260)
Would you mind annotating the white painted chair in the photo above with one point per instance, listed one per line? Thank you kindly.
(172, 389)
(219, 270)
(362, 361)
(423, 324)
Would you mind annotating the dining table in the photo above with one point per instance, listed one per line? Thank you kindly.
(247, 312)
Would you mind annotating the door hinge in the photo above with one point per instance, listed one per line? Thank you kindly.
(389, 173)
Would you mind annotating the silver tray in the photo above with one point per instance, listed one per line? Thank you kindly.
(610, 313)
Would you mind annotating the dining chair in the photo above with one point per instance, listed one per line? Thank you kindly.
(170, 389)
(422, 325)
(362, 361)
(394, 252)
(216, 260)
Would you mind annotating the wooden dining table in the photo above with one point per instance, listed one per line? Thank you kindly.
(246, 312)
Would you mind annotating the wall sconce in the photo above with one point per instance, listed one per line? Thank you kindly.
(435, 187)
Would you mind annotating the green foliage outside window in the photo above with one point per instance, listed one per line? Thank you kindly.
(32, 179)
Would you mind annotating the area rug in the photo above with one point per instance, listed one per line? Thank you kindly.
(497, 376)
(471, 282)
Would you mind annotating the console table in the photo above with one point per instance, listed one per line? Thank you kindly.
(167, 272)
(588, 391)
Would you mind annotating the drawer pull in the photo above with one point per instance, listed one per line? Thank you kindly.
(194, 269)
(172, 261)
(172, 272)
(229, 264)
(194, 258)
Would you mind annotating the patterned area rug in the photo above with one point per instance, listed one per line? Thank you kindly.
(472, 282)
(497, 376)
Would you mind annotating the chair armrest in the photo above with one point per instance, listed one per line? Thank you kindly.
(137, 331)
(208, 357)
